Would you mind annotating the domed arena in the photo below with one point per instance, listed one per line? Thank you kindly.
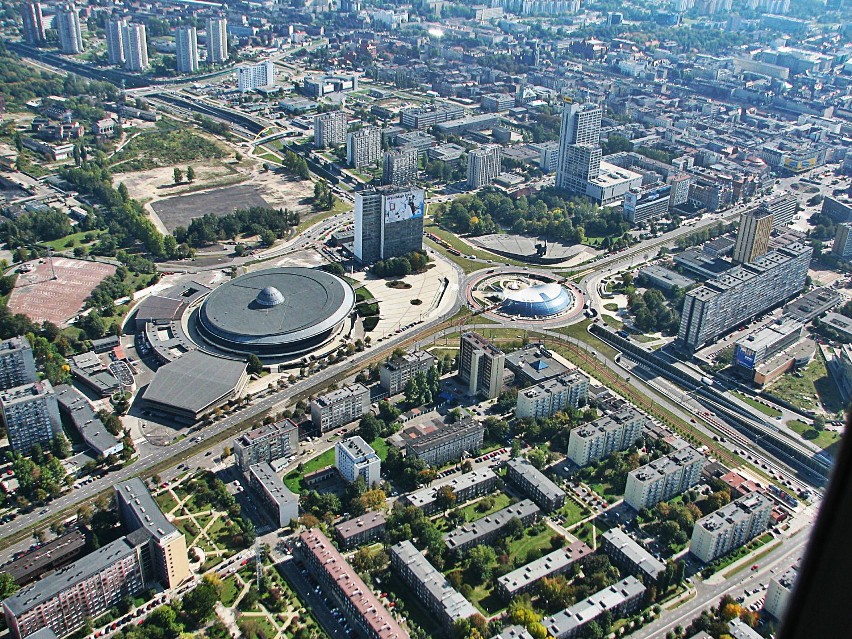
(540, 300)
(275, 312)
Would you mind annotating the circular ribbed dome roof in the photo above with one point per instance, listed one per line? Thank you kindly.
(269, 296)
(539, 300)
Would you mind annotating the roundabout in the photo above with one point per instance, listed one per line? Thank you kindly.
(525, 295)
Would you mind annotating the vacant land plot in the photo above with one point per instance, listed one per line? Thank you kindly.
(164, 148)
(45, 298)
(813, 390)
(181, 210)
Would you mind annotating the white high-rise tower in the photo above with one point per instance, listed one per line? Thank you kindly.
(217, 40)
(186, 43)
(135, 47)
(579, 147)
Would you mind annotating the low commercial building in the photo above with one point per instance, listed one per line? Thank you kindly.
(664, 278)
(813, 304)
(74, 405)
(49, 557)
(534, 484)
(281, 504)
(340, 407)
(730, 527)
(559, 561)
(364, 529)
(611, 433)
(438, 443)
(839, 323)
(626, 553)
(534, 364)
(567, 391)
(738, 629)
(620, 599)
(465, 487)
(430, 586)
(427, 116)
(487, 529)
(663, 478)
(754, 349)
(397, 371)
(355, 458)
(778, 593)
(267, 443)
(338, 580)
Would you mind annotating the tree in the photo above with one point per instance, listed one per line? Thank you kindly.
(199, 602)
(178, 175)
(255, 366)
(480, 563)
(238, 156)
(819, 423)
(190, 174)
(8, 586)
(445, 498)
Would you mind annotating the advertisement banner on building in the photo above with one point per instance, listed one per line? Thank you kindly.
(404, 205)
(744, 357)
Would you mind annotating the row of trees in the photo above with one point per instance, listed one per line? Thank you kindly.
(257, 220)
(38, 226)
(414, 262)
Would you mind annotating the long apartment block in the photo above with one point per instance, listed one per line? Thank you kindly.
(535, 484)
(487, 529)
(559, 561)
(623, 598)
(465, 487)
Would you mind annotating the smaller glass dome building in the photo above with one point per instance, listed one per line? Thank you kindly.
(541, 300)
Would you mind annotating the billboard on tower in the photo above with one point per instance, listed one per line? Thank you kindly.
(404, 205)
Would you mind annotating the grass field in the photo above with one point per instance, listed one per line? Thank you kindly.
(766, 410)
(573, 511)
(826, 439)
(166, 502)
(68, 242)
(471, 513)
(381, 447)
(519, 549)
(230, 590)
(164, 148)
(293, 480)
(814, 387)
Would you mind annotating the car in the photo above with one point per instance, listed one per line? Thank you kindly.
(755, 567)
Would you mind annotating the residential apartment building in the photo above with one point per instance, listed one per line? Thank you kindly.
(782, 207)
(400, 167)
(135, 42)
(579, 147)
(730, 527)
(465, 487)
(364, 147)
(31, 416)
(664, 478)
(621, 599)
(534, 484)
(487, 529)
(483, 165)
(33, 23)
(115, 40)
(339, 581)
(167, 545)
(217, 40)
(354, 458)
(555, 563)
(446, 442)
(481, 365)
(330, 129)
(547, 398)
(430, 586)
(628, 555)
(388, 222)
(615, 432)
(742, 292)
(256, 76)
(17, 364)
(280, 504)
(842, 246)
(361, 530)
(496, 102)
(340, 407)
(752, 236)
(778, 593)
(267, 443)
(186, 47)
(67, 23)
(395, 374)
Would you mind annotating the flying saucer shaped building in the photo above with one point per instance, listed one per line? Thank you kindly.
(541, 300)
(275, 312)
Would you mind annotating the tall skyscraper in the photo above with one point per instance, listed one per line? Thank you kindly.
(115, 40)
(842, 246)
(31, 415)
(68, 25)
(388, 223)
(579, 147)
(33, 23)
(186, 43)
(363, 146)
(135, 47)
(217, 40)
(329, 129)
(752, 236)
(17, 364)
(483, 165)
(481, 365)
(255, 76)
(400, 167)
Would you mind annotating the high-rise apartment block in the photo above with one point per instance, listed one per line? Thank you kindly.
(115, 40)
(329, 129)
(255, 76)
(742, 292)
(579, 147)
(340, 407)
(354, 458)
(186, 47)
(664, 478)
(17, 364)
(782, 207)
(388, 223)
(481, 365)
(398, 371)
(67, 23)
(33, 23)
(842, 246)
(730, 527)
(609, 434)
(547, 398)
(139, 512)
(364, 146)
(778, 593)
(752, 236)
(483, 165)
(267, 443)
(400, 167)
(31, 415)
(135, 47)
(217, 40)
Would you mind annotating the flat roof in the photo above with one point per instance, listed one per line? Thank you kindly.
(636, 554)
(75, 405)
(267, 430)
(554, 562)
(662, 274)
(420, 437)
(563, 623)
(134, 494)
(535, 362)
(194, 381)
(368, 521)
(46, 555)
(425, 496)
(272, 484)
(474, 530)
(534, 476)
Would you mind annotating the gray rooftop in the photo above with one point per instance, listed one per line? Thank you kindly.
(272, 484)
(134, 494)
(74, 404)
(341, 394)
(734, 511)
(357, 525)
(740, 630)
(564, 623)
(357, 447)
(636, 554)
(267, 430)
(482, 527)
(771, 334)
(838, 322)
(661, 274)
(536, 363)
(552, 563)
(668, 464)
(425, 496)
(534, 476)
(195, 381)
(513, 632)
(25, 393)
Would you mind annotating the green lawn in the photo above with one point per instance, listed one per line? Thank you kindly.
(293, 480)
(230, 590)
(578, 331)
(68, 242)
(486, 599)
(610, 306)
(519, 549)
(584, 533)
(826, 439)
(309, 220)
(471, 512)
(468, 266)
(612, 322)
(381, 447)
(573, 511)
(766, 410)
(815, 386)
(164, 148)
(363, 293)
(166, 502)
